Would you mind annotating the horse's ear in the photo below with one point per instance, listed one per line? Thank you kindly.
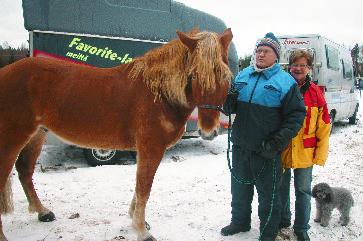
(195, 30)
(187, 41)
(226, 38)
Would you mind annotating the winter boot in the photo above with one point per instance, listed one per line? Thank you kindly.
(302, 236)
(232, 229)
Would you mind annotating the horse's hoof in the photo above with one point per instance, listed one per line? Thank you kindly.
(147, 226)
(48, 217)
(324, 224)
(151, 238)
(2, 237)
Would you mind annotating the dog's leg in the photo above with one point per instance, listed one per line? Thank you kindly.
(344, 215)
(318, 213)
(325, 216)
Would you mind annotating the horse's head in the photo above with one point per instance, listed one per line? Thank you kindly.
(208, 76)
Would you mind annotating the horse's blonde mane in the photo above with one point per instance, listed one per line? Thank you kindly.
(165, 70)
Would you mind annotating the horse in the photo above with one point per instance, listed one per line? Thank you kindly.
(141, 106)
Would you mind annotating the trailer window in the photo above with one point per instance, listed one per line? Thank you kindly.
(332, 57)
(347, 70)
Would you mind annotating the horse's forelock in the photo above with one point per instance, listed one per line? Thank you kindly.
(165, 69)
(207, 63)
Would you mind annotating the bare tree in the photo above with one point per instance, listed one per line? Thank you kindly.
(354, 53)
(6, 45)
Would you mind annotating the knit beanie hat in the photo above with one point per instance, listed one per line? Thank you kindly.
(271, 41)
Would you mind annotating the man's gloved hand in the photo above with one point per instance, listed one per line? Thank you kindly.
(269, 149)
(230, 106)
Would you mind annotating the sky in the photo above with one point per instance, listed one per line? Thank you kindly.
(190, 197)
(340, 21)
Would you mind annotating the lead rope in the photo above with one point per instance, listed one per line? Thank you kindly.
(249, 182)
(239, 179)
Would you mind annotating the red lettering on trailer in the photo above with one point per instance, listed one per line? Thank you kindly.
(296, 42)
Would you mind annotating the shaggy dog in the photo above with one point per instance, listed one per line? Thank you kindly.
(327, 198)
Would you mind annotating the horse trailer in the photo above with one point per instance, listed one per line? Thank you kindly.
(332, 71)
(109, 33)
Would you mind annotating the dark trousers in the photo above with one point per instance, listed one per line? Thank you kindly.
(302, 184)
(248, 165)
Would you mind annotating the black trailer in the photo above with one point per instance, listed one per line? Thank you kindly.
(106, 33)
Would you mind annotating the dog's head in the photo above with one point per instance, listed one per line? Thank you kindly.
(322, 192)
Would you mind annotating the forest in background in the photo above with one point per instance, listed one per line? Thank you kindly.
(9, 54)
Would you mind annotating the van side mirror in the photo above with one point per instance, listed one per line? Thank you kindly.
(318, 64)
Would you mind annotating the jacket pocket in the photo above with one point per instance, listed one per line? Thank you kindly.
(271, 88)
(271, 96)
(240, 85)
(309, 142)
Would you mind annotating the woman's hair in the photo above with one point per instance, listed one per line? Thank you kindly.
(301, 53)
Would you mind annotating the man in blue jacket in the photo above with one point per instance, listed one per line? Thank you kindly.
(269, 112)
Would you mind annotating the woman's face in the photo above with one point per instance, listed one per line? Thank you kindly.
(299, 69)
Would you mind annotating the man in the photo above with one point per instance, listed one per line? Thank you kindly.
(269, 112)
(309, 147)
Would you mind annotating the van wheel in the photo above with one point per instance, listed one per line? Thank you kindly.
(98, 157)
(332, 119)
(353, 118)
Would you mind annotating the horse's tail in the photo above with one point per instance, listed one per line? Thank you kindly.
(6, 198)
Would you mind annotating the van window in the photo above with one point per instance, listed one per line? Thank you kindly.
(332, 57)
(347, 70)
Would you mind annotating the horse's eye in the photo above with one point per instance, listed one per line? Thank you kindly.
(189, 82)
(190, 77)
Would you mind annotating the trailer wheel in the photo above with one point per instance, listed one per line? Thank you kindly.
(98, 157)
(353, 118)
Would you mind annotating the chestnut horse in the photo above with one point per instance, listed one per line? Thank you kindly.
(141, 106)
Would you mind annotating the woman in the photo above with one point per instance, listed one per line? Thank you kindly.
(308, 148)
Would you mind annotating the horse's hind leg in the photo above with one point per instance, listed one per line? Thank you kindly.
(6, 204)
(11, 142)
(25, 166)
(2, 236)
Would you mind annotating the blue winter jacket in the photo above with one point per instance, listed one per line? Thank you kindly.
(269, 108)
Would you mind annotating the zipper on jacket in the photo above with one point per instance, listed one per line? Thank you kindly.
(254, 88)
(249, 102)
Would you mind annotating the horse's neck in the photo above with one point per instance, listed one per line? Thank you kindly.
(181, 111)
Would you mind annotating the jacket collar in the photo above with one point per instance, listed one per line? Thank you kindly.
(305, 86)
(268, 73)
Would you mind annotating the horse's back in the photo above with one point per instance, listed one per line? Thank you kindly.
(13, 89)
(72, 100)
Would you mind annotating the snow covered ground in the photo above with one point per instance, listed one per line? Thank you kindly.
(190, 199)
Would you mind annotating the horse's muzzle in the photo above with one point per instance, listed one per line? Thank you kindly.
(208, 136)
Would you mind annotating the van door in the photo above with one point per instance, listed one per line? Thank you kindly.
(332, 80)
(348, 95)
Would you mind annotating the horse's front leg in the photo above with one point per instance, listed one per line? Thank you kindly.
(147, 164)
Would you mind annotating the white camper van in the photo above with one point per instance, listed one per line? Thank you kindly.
(332, 72)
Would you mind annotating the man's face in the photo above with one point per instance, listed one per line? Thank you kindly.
(299, 69)
(265, 57)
